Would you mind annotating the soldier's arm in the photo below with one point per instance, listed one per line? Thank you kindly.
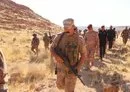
(32, 42)
(115, 33)
(97, 43)
(38, 41)
(82, 49)
(106, 36)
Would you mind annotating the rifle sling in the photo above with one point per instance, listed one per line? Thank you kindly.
(60, 39)
(59, 43)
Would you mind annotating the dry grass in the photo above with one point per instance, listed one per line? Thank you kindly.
(26, 70)
(25, 75)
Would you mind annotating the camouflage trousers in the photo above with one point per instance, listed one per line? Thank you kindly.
(66, 80)
(89, 57)
(35, 49)
(46, 46)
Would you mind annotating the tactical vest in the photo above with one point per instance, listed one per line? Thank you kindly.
(70, 47)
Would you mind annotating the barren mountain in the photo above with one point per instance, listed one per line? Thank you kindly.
(15, 17)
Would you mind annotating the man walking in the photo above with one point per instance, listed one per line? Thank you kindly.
(102, 41)
(92, 45)
(111, 34)
(35, 44)
(125, 35)
(73, 46)
(46, 41)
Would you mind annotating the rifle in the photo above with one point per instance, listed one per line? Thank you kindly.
(67, 63)
(50, 37)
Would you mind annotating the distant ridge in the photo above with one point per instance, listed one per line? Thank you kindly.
(14, 16)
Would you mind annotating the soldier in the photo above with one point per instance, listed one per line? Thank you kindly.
(125, 35)
(84, 32)
(73, 46)
(80, 32)
(46, 41)
(111, 34)
(50, 37)
(35, 44)
(92, 45)
(102, 41)
(2, 73)
(129, 33)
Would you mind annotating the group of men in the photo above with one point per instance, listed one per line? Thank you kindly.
(79, 49)
(106, 36)
(97, 41)
(47, 39)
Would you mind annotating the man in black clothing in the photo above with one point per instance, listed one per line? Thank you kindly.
(111, 34)
(102, 41)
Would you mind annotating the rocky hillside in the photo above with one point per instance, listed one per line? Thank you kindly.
(15, 17)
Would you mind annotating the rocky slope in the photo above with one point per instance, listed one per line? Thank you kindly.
(15, 17)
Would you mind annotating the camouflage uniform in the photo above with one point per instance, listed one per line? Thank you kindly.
(2, 73)
(92, 45)
(46, 41)
(125, 35)
(80, 32)
(35, 44)
(84, 32)
(72, 46)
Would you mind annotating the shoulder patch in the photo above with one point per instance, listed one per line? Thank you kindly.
(95, 31)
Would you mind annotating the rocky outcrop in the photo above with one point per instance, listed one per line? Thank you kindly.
(15, 17)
